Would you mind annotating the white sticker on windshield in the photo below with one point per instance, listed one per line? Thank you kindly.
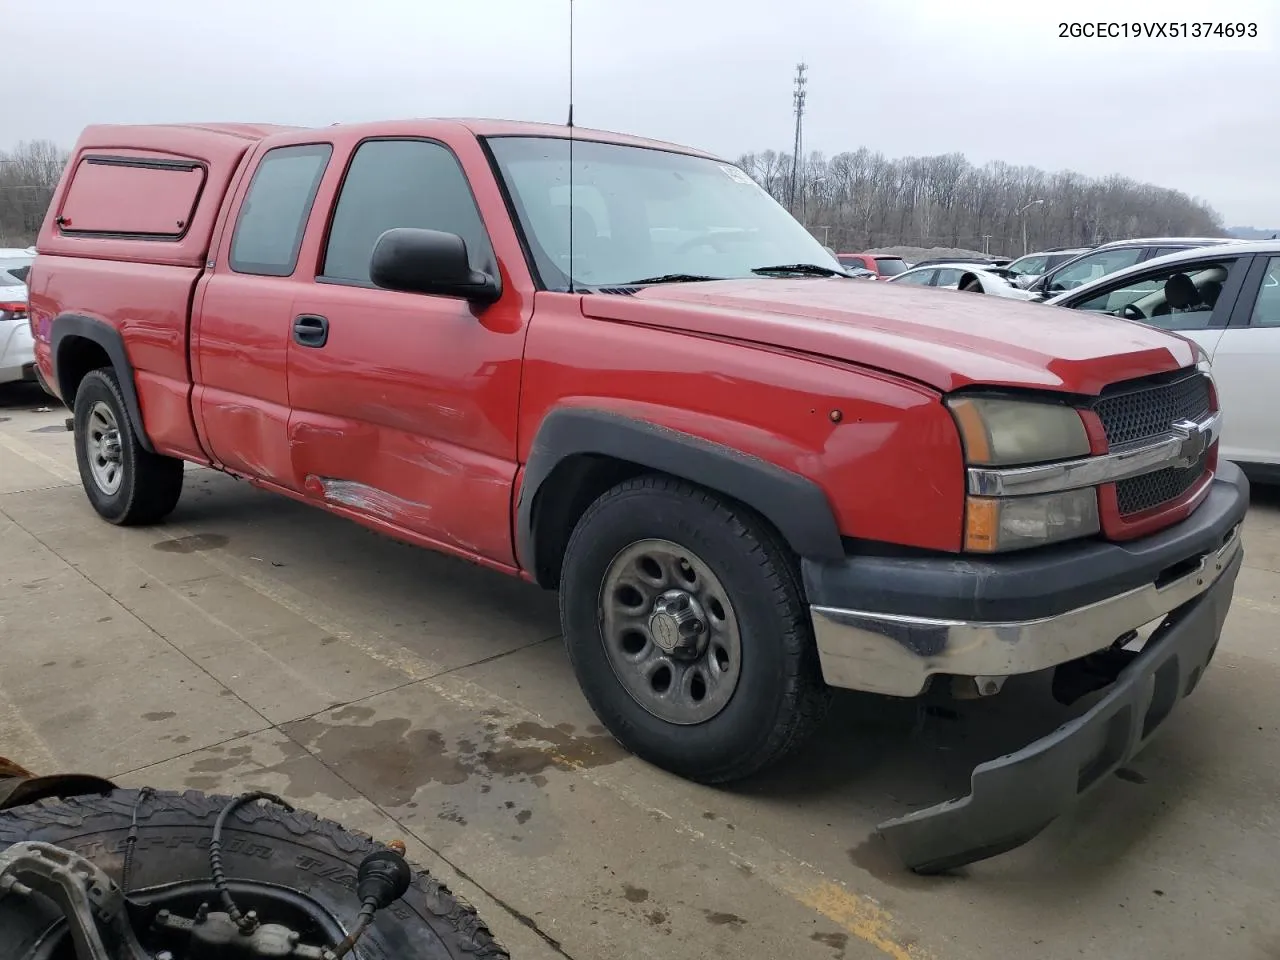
(736, 173)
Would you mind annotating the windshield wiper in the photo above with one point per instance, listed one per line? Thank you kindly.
(672, 278)
(807, 269)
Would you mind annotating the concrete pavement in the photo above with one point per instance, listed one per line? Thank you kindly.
(253, 642)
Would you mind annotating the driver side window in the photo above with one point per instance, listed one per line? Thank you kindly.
(921, 279)
(1180, 297)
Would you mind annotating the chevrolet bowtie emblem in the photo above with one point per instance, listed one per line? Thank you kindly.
(1195, 440)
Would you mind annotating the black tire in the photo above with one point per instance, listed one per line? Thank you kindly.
(150, 484)
(260, 842)
(780, 696)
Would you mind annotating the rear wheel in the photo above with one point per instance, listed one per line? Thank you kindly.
(126, 484)
(686, 627)
(267, 854)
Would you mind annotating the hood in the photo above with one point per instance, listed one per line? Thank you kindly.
(942, 338)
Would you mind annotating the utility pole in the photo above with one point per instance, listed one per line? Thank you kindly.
(986, 244)
(797, 99)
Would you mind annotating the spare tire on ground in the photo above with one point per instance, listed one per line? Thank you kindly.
(260, 842)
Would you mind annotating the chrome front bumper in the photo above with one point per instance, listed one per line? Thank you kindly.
(896, 655)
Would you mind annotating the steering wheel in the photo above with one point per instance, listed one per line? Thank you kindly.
(1131, 311)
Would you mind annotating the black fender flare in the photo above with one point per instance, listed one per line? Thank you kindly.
(794, 504)
(109, 339)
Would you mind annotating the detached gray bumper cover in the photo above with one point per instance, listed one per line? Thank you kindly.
(1016, 796)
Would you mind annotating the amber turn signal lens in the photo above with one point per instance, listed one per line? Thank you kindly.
(981, 524)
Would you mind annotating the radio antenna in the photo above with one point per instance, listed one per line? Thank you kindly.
(570, 271)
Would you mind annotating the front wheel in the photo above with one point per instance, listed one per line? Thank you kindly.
(124, 483)
(686, 627)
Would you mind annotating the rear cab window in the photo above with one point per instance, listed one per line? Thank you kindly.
(890, 266)
(273, 217)
(102, 198)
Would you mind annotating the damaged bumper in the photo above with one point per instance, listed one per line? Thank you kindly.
(1014, 797)
(1015, 615)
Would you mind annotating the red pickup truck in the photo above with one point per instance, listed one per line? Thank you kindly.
(750, 478)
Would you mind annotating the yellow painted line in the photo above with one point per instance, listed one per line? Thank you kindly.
(860, 917)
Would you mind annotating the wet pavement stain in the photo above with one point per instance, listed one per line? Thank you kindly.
(720, 919)
(390, 760)
(565, 749)
(157, 715)
(635, 894)
(192, 544)
(874, 856)
(52, 428)
(217, 764)
(656, 918)
(836, 941)
(206, 784)
(386, 759)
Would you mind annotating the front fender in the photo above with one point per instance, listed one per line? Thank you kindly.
(795, 505)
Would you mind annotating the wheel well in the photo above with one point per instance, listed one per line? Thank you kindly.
(562, 499)
(77, 356)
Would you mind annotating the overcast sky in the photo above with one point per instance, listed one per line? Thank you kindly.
(990, 79)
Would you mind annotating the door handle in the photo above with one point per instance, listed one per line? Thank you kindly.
(310, 330)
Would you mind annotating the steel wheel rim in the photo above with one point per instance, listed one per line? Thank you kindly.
(637, 594)
(102, 448)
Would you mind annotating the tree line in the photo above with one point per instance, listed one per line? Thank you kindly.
(853, 201)
(863, 200)
(28, 175)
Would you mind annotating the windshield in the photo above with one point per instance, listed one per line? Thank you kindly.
(1029, 266)
(13, 270)
(640, 213)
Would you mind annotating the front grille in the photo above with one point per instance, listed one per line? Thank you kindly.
(1140, 412)
(1152, 489)
(1143, 410)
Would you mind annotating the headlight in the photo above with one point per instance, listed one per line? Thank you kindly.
(999, 433)
(1014, 523)
(1005, 433)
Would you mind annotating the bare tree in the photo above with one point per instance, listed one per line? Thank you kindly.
(863, 200)
(28, 176)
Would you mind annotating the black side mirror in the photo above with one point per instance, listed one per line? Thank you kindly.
(412, 260)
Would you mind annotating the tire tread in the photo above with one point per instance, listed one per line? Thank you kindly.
(470, 936)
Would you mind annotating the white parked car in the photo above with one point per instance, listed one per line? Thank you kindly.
(971, 277)
(17, 359)
(1226, 298)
